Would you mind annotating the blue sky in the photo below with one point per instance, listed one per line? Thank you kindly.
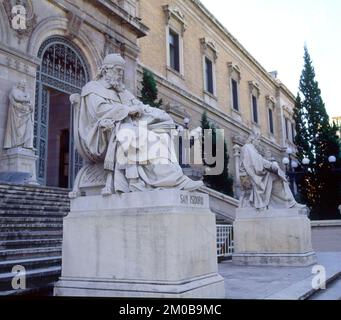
(274, 32)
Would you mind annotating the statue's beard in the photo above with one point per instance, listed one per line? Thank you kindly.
(118, 86)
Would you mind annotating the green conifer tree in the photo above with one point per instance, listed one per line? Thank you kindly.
(149, 91)
(223, 182)
(316, 139)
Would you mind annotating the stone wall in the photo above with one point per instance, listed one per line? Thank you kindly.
(183, 92)
(95, 28)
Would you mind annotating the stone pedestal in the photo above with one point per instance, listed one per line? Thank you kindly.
(19, 160)
(144, 244)
(276, 237)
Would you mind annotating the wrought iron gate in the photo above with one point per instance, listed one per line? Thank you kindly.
(62, 68)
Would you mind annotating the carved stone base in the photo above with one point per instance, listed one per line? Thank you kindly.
(144, 244)
(90, 180)
(19, 160)
(277, 237)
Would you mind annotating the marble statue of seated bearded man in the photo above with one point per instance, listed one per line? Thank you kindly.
(120, 131)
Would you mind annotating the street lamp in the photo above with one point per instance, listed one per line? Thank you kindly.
(291, 165)
(332, 159)
(184, 145)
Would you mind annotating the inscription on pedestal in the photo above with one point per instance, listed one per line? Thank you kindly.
(191, 199)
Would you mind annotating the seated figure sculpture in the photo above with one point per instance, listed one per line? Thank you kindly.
(263, 182)
(116, 129)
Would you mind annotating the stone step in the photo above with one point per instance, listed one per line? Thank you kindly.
(29, 243)
(18, 206)
(43, 290)
(34, 278)
(36, 193)
(5, 187)
(29, 219)
(34, 197)
(14, 254)
(10, 227)
(62, 193)
(30, 264)
(37, 202)
(32, 213)
(29, 234)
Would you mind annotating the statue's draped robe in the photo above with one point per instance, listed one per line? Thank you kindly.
(19, 130)
(125, 149)
(269, 186)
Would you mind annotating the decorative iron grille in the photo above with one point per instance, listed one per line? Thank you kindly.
(62, 68)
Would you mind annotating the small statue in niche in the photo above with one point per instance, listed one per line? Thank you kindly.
(19, 131)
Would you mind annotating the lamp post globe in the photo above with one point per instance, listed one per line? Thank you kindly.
(332, 159)
(294, 164)
(289, 151)
(305, 161)
(285, 161)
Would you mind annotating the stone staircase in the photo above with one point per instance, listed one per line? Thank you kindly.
(31, 222)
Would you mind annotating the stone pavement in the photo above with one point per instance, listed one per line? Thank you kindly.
(287, 283)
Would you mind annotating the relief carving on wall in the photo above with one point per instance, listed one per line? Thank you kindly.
(21, 16)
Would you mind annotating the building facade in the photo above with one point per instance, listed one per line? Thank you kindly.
(200, 66)
(56, 50)
(197, 63)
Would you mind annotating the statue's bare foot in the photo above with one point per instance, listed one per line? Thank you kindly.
(106, 191)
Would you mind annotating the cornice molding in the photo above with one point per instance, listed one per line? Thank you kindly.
(234, 68)
(209, 44)
(175, 13)
(254, 86)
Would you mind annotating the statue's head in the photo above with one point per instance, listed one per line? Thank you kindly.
(21, 85)
(254, 138)
(112, 71)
